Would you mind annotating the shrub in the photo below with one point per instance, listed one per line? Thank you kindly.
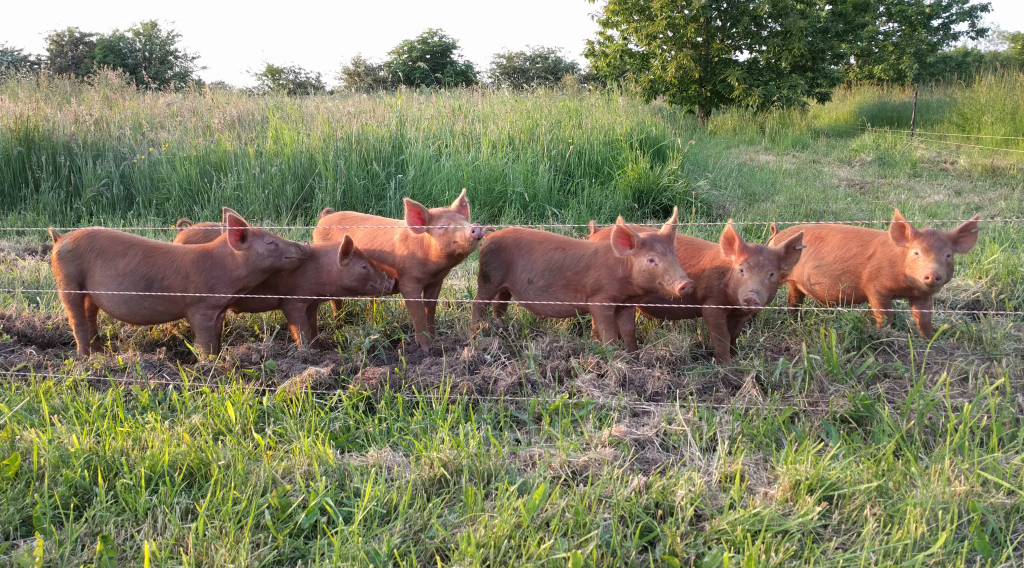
(536, 66)
(288, 79)
(431, 59)
(363, 75)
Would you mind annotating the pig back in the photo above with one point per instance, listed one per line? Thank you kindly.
(841, 262)
(197, 233)
(104, 260)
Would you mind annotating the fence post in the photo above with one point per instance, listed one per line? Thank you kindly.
(913, 114)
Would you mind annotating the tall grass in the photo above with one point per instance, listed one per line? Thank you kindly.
(72, 153)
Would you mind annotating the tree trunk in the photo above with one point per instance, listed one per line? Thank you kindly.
(703, 113)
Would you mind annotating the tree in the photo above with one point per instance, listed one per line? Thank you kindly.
(900, 40)
(536, 66)
(150, 55)
(15, 60)
(288, 79)
(71, 52)
(430, 59)
(363, 75)
(703, 54)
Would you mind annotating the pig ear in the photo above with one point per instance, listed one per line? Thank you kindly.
(773, 230)
(348, 246)
(624, 240)
(461, 205)
(670, 226)
(790, 251)
(901, 231)
(731, 242)
(417, 218)
(239, 232)
(591, 228)
(965, 236)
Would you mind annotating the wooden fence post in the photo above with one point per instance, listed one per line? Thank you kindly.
(913, 114)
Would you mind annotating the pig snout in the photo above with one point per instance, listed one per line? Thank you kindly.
(684, 287)
(476, 231)
(389, 286)
(933, 279)
(751, 301)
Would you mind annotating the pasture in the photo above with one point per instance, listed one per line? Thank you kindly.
(826, 442)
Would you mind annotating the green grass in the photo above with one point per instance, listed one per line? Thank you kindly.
(826, 443)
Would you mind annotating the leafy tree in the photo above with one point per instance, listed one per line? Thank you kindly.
(15, 60)
(430, 59)
(901, 40)
(363, 75)
(1015, 47)
(536, 66)
(288, 79)
(150, 55)
(71, 52)
(223, 86)
(703, 54)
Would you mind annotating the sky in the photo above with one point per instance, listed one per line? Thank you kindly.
(234, 38)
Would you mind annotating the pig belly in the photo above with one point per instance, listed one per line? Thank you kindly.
(663, 308)
(140, 309)
(828, 291)
(255, 305)
(539, 291)
(552, 311)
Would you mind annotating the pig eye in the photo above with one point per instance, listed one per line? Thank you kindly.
(917, 253)
(949, 255)
(771, 276)
(652, 260)
(742, 271)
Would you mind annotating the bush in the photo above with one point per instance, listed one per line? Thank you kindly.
(15, 60)
(537, 66)
(431, 59)
(365, 76)
(71, 52)
(290, 80)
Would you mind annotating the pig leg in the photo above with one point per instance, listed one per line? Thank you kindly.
(413, 296)
(625, 322)
(882, 310)
(74, 304)
(721, 338)
(337, 306)
(207, 327)
(921, 309)
(736, 324)
(91, 311)
(794, 298)
(431, 292)
(485, 295)
(298, 323)
(603, 318)
(314, 329)
(501, 305)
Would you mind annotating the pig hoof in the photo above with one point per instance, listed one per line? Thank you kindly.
(480, 327)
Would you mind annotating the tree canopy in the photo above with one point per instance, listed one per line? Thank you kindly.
(761, 54)
(71, 52)
(535, 66)
(16, 60)
(903, 41)
(150, 55)
(288, 79)
(703, 54)
(430, 59)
